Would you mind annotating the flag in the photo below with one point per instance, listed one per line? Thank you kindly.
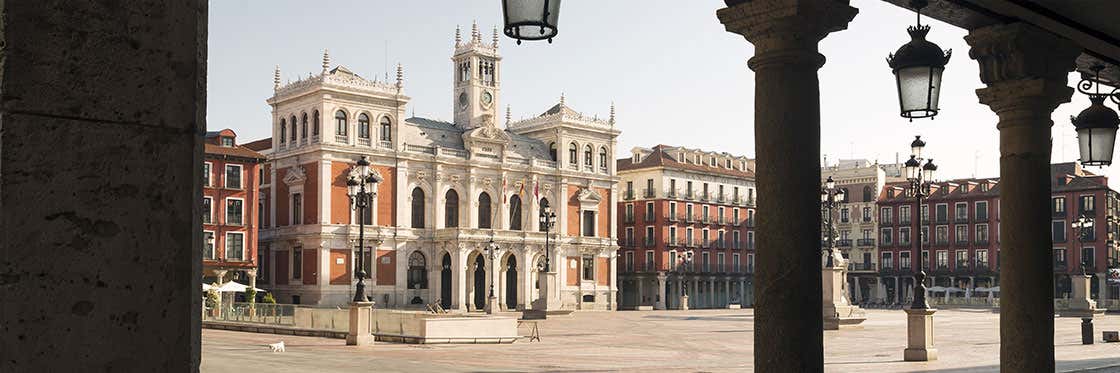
(503, 189)
(536, 190)
(521, 191)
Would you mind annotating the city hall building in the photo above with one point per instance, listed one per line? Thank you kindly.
(447, 190)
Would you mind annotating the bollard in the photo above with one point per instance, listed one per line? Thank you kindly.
(1087, 331)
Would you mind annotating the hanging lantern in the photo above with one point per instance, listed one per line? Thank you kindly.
(531, 19)
(917, 67)
(1096, 126)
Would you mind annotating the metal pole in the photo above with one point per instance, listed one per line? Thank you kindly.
(360, 288)
(919, 274)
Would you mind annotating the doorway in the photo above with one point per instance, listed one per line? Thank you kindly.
(445, 282)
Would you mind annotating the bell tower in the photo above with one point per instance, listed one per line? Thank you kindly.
(477, 87)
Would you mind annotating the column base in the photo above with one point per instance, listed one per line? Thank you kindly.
(492, 305)
(919, 335)
(684, 303)
(359, 334)
(917, 354)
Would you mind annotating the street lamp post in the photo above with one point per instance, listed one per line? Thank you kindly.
(1084, 224)
(830, 199)
(491, 250)
(361, 188)
(547, 221)
(920, 177)
(683, 267)
(919, 317)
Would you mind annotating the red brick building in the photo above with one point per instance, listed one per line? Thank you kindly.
(676, 200)
(230, 217)
(960, 233)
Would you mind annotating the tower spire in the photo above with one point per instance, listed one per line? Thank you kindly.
(495, 37)
(400, 76)
(562, 99)
(326, 60)
(612, 113)
(276, 79)
(508, 115)
(475, 36)
(458, 36)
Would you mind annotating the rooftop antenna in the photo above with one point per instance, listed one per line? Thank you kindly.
(386, 60)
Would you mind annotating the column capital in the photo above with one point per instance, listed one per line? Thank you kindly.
(1017, 51)
(785, 31)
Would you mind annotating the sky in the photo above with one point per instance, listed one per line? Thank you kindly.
(674, 74)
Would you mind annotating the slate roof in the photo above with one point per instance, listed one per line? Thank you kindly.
(431, 132)
(258, 145)
(239, 151)
(1075, 179)
(660, 158)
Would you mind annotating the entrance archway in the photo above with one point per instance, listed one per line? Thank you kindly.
(445, 282)
(511, 282)
(479, 282)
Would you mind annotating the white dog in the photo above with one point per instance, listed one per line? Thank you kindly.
(277, 347)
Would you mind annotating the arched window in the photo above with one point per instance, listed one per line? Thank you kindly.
(303, 126)
(315, 123)
(867, 194)
(544, 206)
(573, 151)
(587, 156)
(451, 209)
(846, 195)
(340, 123)
(484, 211)
(417, 208)
(293, 122)
(283, 130)
(386, 129)
(363, 126)
(515, 212)
(552, 150)
(603, 157)
(417, 271)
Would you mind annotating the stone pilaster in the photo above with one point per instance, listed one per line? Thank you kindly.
(785, 33)
(1025, 70)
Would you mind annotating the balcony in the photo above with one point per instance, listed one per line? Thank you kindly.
(721, 199)
(983, 242)
(870, 267)
(736, 222)
(886, 223)
(941, 269)
(884, 243)
(628, 219)
(962, 268)
(672, 193)
(691, 218)
(865, 242)
(341, 139)
(674, 243)
(649, 218)
(1060, 239)
(750, 223)
(941, 242)
(689, 195)
(942, 220)
(980, 218)
(867, 219)
(705, 219)
(648, 242)
(363, 141)
(1061, 267)
(671, 218)
(960, 219)
(705, 197)
(628, 195)
(721, 221)
(736, 200)
(846, 242)
(647, 193)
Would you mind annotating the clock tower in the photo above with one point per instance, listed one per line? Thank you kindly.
(477, 79)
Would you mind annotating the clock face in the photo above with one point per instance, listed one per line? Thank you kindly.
(487, 98)
(462, 100)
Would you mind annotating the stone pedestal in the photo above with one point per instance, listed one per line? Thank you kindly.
(359, 334)
(684, 302)
(919, 335)
(837, 311)
(492, 305)
(1080, 305)
(550, 293)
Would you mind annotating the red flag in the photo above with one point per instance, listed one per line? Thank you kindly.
(536, 190)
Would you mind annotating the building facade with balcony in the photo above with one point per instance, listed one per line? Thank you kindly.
(447, 190)
(856, 221)
(230, 209)
(676, 200)
(960, 233)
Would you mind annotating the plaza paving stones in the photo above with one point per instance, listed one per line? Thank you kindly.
(677, 341)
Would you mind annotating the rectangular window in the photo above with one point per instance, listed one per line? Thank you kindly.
(207, 210)
(1059, 205)
(588, 268)
(1058, 230)
(942, 232)
(735, 263)
(925, 234)
(735, 215)
(735, 240)
(297, 208)
(629, 236)
(672, 210)
(962, 259)
(207, 245)
(235, 246)
(1087, 259)
(867, 214)
(672, 235)
(942, 212)
(962, 233)
(887, 261)
(297, 263)
(706, 262)
(649, 236)
(981, 258)
(234, 214)
(629, 261)
(844, 215)
(750, 263)
(233, 176)
(982, 210)
(982, 234)
(885, 215)
(904, 236)
(885, 236)
(650, 265)
(924, 212)
(629, 213)
(589, 223)
(673, 260)
(750, 240)
(649, 211)
(925, 259)
(206, 174)
(904, 214)
(904, 261)
(721, 240)
(1088, 204)
(688, 237)
(1060, 257)
(720, 263)
(961, 212)
(704, 237)
(688, 212)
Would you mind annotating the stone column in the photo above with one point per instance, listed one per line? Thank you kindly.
(641, 291)
(788, 328)
(114, 254)
(727, 291)
(858, 290)
(712, 292)
(1102, 286)
(661, 300)
(1025, 70)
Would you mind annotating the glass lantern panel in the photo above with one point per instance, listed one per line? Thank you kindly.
(527, 16)
(1096, 145)
(913, 90)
